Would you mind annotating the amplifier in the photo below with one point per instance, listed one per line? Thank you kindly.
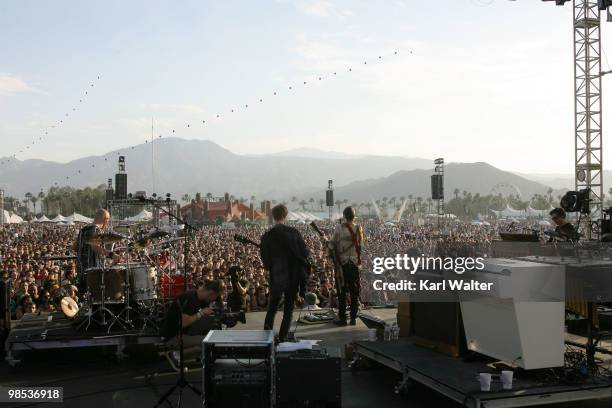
(237, 368)
(308, 378)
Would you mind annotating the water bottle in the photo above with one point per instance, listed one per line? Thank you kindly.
(387, 332)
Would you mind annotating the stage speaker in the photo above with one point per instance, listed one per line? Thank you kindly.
(308, 378)
(438, 325)
(5, 308)
(329, 198)
(437, 187)
(120, 186)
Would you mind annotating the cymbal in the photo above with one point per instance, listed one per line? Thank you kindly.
(69, 306)
(156, 234)
(123, 228)
(106, 238)
(168, 241)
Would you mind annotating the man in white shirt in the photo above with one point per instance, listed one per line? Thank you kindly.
(347, 241)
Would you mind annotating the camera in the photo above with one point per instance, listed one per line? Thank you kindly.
(230, 319)
(233, 272)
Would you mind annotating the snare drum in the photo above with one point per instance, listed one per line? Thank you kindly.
(108, 283)
(143, 282)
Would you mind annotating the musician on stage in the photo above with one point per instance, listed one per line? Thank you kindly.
(284, 254)
(89, 255)
(347, 241)
(564, 228)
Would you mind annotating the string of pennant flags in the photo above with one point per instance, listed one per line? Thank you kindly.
(108, 163)
(55, 125)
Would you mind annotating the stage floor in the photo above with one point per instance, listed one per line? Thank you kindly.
(94, 378)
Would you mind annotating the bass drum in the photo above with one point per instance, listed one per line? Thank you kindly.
(107, 284)
(143, 282)
(173, 285)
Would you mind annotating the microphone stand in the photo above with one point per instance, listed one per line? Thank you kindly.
(181, 382)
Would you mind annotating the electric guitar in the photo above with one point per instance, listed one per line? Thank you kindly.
(244, 240)
(332, 254)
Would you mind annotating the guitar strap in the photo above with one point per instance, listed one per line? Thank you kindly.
(355, 243)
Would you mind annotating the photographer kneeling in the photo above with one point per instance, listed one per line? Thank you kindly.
(198, 318)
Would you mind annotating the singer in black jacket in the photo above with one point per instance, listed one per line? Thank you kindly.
(285, 256)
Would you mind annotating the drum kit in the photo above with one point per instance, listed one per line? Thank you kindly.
(132, 294)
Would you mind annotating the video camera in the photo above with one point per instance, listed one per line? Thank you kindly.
(229, 319)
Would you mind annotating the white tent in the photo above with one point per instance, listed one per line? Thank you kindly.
(42, 218)
(76, 217)
(59, 218)
(144, 215)
(509, 212)
(6, 218)
(15, 219)
(302, 216)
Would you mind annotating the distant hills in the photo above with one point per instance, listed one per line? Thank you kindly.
(190, 166)
(475, 178)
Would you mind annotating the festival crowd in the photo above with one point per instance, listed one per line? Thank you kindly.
(39, 285)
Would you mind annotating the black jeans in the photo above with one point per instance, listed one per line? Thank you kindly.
(351, 285)
(275, 298)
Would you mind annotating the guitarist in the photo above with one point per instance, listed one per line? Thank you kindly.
(284, 254)
(346, 242)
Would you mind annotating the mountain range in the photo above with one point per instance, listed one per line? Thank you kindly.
(190, 166)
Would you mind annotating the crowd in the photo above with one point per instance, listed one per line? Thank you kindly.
(39, 285)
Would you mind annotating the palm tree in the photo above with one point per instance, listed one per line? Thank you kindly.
(456, 193)
(321, 202)
(186, 198)
(369, 207)
(34, 199)
(28, 197)
(311, 201)
(41, 197)
(303, 204)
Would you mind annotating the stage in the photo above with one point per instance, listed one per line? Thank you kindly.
(94, 377)
(457, 378)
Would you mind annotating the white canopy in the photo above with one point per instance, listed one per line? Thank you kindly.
(15, 219)
(59, 218)
(302, 216)
(6, 218)
(76, 217)
(144, 215)
(509, 212)
(42, 218)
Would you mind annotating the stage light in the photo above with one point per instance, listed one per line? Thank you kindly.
(604, 4)
(577, 201)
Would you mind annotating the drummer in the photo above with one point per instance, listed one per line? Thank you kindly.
(90, 255)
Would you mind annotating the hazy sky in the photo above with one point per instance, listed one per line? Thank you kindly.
(487, 81)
